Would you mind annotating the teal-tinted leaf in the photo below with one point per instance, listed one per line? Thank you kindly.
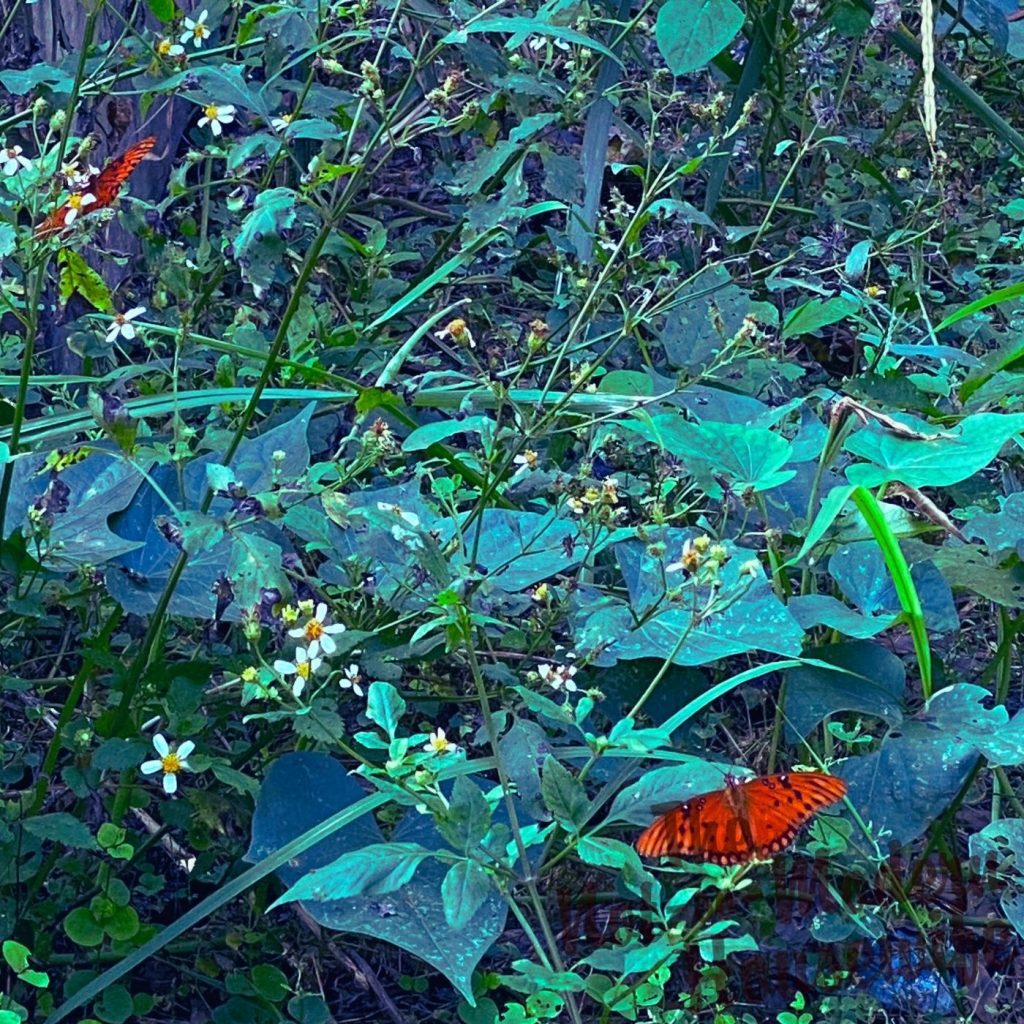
(748, 456)
(254, 564)
(120, 754)
(463, 891)
(522, 28)
(431, 433)
(857, 260)
(520, 751)
(564, 795)
(690, 32)
(62, 828)
(817, 313)
(8, 239)
(663, 787)
(1001, 531)
(626, 382)
(812, 610)
(690, 335)
(876, 687)
(408, 917)
(385, 707)
(227, 82)
(518, 549)
(258, 246)
(371, 871)
(22, 82)
(959, 711)
(603, 852)
(468, 817)
(937, 461)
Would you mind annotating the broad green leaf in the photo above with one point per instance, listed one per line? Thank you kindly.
(372, 871)
(258, 247)
(77, 276)
(463, 891)
(468, 817)
(162, 10)
(431, 433)
(385, 707)
(689, 33)
(564, 795)
(523, 28)
(939, 461)
(817, 313)
(63, 828)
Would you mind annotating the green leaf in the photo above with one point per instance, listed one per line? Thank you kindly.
(82, 928)
(77, 276)
(162, 10)
(270, 982)
(62, 828)
(385, 707)
(937, 461)
(817, 313)
(373, 870)
(522, 28)
(468, 817)
(16, 955)
(564, 795)
(258, 247)
(463, 891)
(431, 433)
(1012, 291)
(690, 32)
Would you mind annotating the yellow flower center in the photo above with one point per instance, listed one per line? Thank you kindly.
(171, 764)
(314, 629)
(75, 201)
(163, 47)
(303, 669)
(440, 744)
(210, 112)
(200, 32)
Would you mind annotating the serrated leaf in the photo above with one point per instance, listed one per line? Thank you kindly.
(463, 891)
(564, 795)
(62, 828)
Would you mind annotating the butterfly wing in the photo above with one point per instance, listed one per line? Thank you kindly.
(107, 186)
(778, 806)
(706, 827)
(757, 818)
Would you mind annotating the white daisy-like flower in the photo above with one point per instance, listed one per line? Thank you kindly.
(439, 744)
(526, 460)
(196, 30)
(77, 202)
(166, 48)
(75, 177)
(317, 634)
(279, 124)
(351, 680)
(558, 677)
(304, 667)
(216, 117)
(171, 762)
(122, 327)
(12, 161)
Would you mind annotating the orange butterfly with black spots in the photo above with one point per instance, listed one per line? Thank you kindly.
(105, 188)
(750, 819)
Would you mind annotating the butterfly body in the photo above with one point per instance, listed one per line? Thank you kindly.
(749, 819)
(105, 187)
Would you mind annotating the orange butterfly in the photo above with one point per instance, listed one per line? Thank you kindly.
(751, 819)
(104, 188)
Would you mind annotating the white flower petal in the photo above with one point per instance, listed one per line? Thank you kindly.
(150, 767)
(185, 749)
(327, 645)
(160, 745)
(170, 783)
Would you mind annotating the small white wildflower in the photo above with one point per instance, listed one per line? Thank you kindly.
(13, 161)
(77, 202)
(216, 117)
(317, 634)
(439, 744)
(526, 460)
(170, 762)
(304, 667)
(558, 677)
(196, 31)
(122, 327)
(351, 680)
(279, 124)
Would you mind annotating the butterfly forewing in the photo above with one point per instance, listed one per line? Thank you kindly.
(756, 818)
(105, 186)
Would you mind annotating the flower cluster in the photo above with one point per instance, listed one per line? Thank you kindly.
(318, 636)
